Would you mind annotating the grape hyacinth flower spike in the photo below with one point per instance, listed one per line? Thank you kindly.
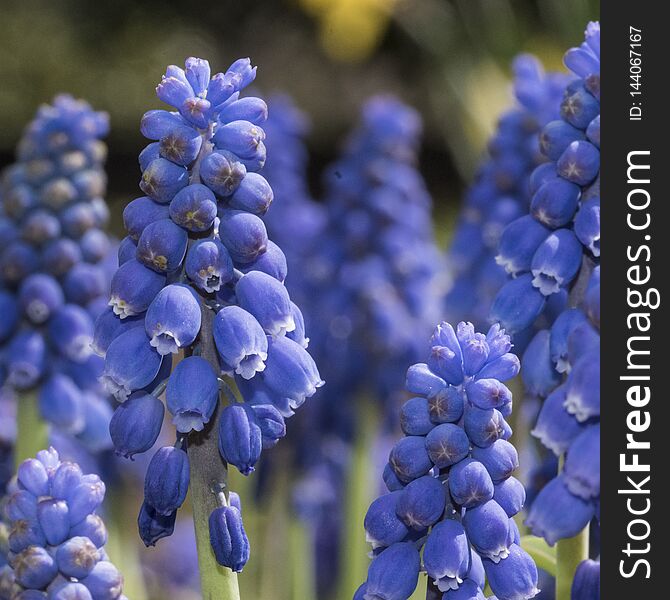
(451, 491)
(54, 269)
(193, 280)
(56, 538)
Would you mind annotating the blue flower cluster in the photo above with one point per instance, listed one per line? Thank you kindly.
(55, 268)
(499, 194)
(553, 254)
(543, 250)
(450, 483)
(55, 537)
(197, 242)
(379, 275)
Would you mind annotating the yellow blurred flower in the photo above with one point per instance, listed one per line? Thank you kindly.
(350, 29)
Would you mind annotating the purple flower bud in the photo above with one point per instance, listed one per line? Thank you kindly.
(409, 458)
(579, 163)
(77, 219)
(24, 534)
(554, 204)
(246, 109)
(21, 505)
(561, 330)
(141, 212)
(127, 250)
(500, 459)
(446, 358)
(153, 526)
(587, 225)
(85, 498)
(131, 363)
(517, 304)
(586, 582)
(272, 262)
(266, 299)
(394, 573)
(555, 427)
(34, 568)
(108, 327)
(196, 111)
(76, 557)
(290, 371)
(26, 356)
(271, 423)
(93, 528)
(228, 538)
(539, 375)
(470, 483)
(61, 403)
(156, 124)
(194, 208)
(174, 88)
(298, 335)
(487, 526)
(422, 502)
(162, 246)
(514, 578)
(104, 581)
(243, 234)
(240, 438)
(222, 173)
(71, 591)
(579, 107)
(391, 480)
(556, 261)
(192, 394)
(136, 424)
(173, 319)
(133, 288)
(208, 265)
(239, 137)
(511, 495)
(446, 445)
(583, 387)
(383, 526)
(415, 418)
(253, 195)
(487, 393)
(71, 332)
(557, 514)
(240, 341)
(166, 481)
(40, 296)
(421, 380)
(40, 227)
(446, 555)
(162, 179)
(582, 464)
(556, 136)
(197, 74)
(181, 144)
(502, 368)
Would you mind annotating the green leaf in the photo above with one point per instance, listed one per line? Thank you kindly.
(541, 552)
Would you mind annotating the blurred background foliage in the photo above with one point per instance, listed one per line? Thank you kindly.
(448, 58)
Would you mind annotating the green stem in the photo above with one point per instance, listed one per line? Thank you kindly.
(569, 553)
(208, 471)
(32, 433)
